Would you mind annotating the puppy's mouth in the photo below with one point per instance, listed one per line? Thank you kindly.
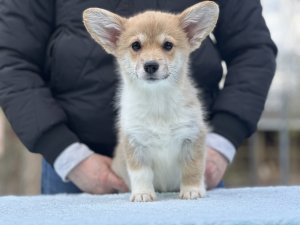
(152, 79)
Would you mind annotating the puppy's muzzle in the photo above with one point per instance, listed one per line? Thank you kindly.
(153, 71)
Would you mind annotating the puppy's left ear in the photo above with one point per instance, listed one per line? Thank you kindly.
(104, 26)
(198, 21)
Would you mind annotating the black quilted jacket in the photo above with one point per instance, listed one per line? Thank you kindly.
(57, 85)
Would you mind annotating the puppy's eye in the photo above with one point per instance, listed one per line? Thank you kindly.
(136, 46)
(167, 46)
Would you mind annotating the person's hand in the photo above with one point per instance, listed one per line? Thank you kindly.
(94, 175)
(216, 166)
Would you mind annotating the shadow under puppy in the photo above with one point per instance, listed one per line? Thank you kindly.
(161, 122)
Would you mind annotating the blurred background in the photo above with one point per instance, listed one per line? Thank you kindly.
(270, 157)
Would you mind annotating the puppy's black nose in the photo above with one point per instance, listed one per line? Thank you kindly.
(151, 67)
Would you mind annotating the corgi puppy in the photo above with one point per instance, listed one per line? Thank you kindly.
(161, 128)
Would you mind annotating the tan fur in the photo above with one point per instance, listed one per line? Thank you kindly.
(192, 168)
(161, 123)
(149, 23)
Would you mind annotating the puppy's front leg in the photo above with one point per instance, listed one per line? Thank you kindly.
(140, 174)
(193, 169)
(141, 184)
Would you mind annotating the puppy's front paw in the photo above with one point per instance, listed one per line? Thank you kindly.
(142, 197)
(192, 193)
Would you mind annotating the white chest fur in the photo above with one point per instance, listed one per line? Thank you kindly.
(157, 121)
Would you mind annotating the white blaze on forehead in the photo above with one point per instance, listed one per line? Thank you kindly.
(161, 38)
(165, 37)
(142, 38)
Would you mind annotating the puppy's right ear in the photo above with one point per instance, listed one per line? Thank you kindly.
(105, 27)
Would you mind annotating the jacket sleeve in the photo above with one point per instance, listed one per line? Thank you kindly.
(244, 42)
(36, 117)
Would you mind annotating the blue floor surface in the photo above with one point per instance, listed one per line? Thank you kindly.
(242, 206)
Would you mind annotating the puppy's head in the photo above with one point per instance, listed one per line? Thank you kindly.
(152, 46)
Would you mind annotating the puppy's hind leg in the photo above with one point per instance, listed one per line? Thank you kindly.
(193, 169)
(119, 163)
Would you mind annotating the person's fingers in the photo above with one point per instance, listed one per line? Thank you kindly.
(216, 165)
(107, 160)
(103, 189)
(116, 183)
(211, 175)
(112, 180)
(210, 169)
